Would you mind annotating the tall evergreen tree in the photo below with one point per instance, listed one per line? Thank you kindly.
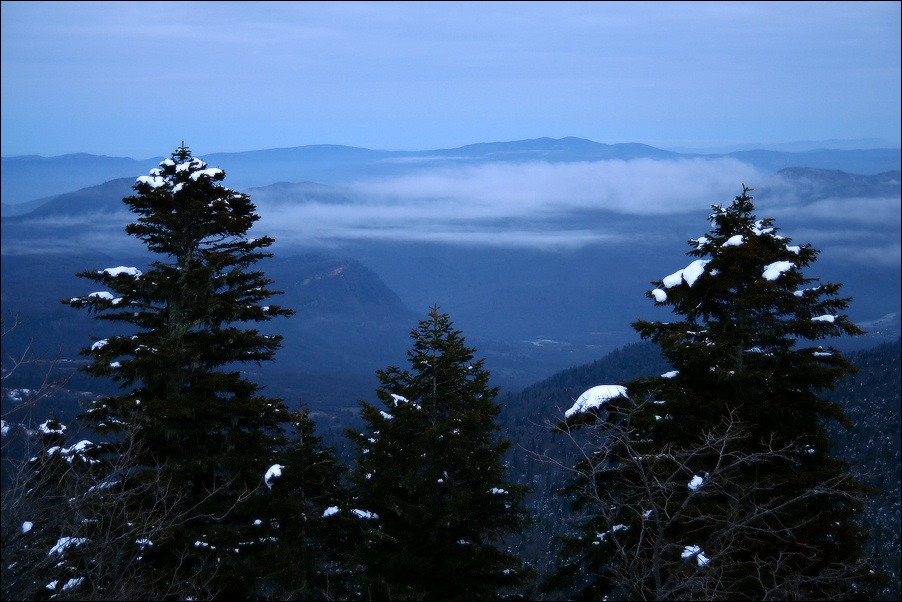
(430, 480)
(204, 430)
(716, 480)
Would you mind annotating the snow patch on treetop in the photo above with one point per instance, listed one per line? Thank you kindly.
(211, 172)
(596, 397)
(773, 270)
(274, 472)
(122, 270)
(153, 181)
(689, 274)
(194, 163)
(824, 318)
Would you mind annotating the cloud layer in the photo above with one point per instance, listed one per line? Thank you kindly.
(536, 205)
(570, 205)
(527, 204)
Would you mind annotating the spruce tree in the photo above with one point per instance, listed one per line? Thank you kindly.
(204, 434)
(429, 479)
(716, 480)
(306, 496)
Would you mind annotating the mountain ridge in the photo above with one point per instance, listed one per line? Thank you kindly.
(25, 178)
(791, 147)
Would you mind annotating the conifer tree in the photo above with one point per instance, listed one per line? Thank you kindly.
(311, 559)
(204, 430)
(716, 480)
(430, 481)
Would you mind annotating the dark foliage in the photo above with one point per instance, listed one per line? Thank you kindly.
(871, 399)
(431, 480)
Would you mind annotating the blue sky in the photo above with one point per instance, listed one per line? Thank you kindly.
(136, 78)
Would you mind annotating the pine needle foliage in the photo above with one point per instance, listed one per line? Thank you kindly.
(430, 480)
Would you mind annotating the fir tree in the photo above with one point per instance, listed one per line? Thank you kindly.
(430, 481)
(716, 480)
(311, 558)
(203, 430)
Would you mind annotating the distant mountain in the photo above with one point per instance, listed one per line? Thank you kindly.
(21, 208)
(547, 149)
(105, 197)
(32, 177)
(795, 147)
(290, 193)
(810, 184)
(867, 161)
(348, 323)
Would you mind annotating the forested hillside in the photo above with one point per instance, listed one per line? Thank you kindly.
(872, 401)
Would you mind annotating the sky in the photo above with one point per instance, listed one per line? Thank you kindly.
(135, 79)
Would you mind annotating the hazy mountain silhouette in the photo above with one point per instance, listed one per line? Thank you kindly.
(26, 178)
